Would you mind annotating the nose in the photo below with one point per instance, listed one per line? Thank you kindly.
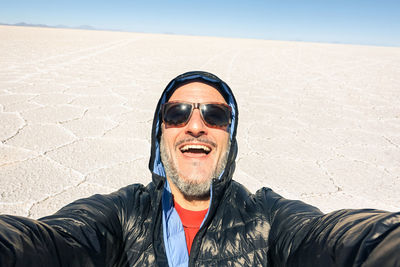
(195, 126)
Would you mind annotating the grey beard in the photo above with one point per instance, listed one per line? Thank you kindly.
(191, 189)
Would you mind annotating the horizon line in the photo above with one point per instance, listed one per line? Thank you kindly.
(94, 28)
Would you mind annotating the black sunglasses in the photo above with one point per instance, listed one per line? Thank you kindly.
(215, 115)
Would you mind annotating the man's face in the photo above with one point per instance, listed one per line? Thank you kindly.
(188, 167)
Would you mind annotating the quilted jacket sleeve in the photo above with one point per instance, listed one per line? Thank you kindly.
(301, 235)
(87, 232)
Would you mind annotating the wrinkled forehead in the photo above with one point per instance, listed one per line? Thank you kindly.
(197, 92)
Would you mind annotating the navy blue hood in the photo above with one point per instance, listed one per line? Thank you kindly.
(155, 164)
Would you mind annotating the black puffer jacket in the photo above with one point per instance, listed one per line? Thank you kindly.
(242, 229)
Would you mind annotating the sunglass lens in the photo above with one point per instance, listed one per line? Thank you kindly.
(177, 113)
(216, 115)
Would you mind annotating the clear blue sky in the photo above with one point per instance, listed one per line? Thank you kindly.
(359, 21)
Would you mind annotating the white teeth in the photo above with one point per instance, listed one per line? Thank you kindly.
(187, 147)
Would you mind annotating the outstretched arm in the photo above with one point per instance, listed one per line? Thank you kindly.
(86, 232)
(301, 235)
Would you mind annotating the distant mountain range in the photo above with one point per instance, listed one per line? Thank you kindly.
(82, 27)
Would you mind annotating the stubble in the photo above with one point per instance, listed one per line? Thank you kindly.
(192, 188)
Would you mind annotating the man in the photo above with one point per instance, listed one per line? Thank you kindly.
(193, 213)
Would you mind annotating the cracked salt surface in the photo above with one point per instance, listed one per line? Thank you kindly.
(10, 125)
(318, 122)
(41, 137)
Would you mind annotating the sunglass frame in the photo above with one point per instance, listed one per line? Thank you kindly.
(193, 107)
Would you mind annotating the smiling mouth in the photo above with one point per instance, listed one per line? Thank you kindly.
(195, 149)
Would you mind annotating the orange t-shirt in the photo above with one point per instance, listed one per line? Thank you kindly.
(191, 221)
